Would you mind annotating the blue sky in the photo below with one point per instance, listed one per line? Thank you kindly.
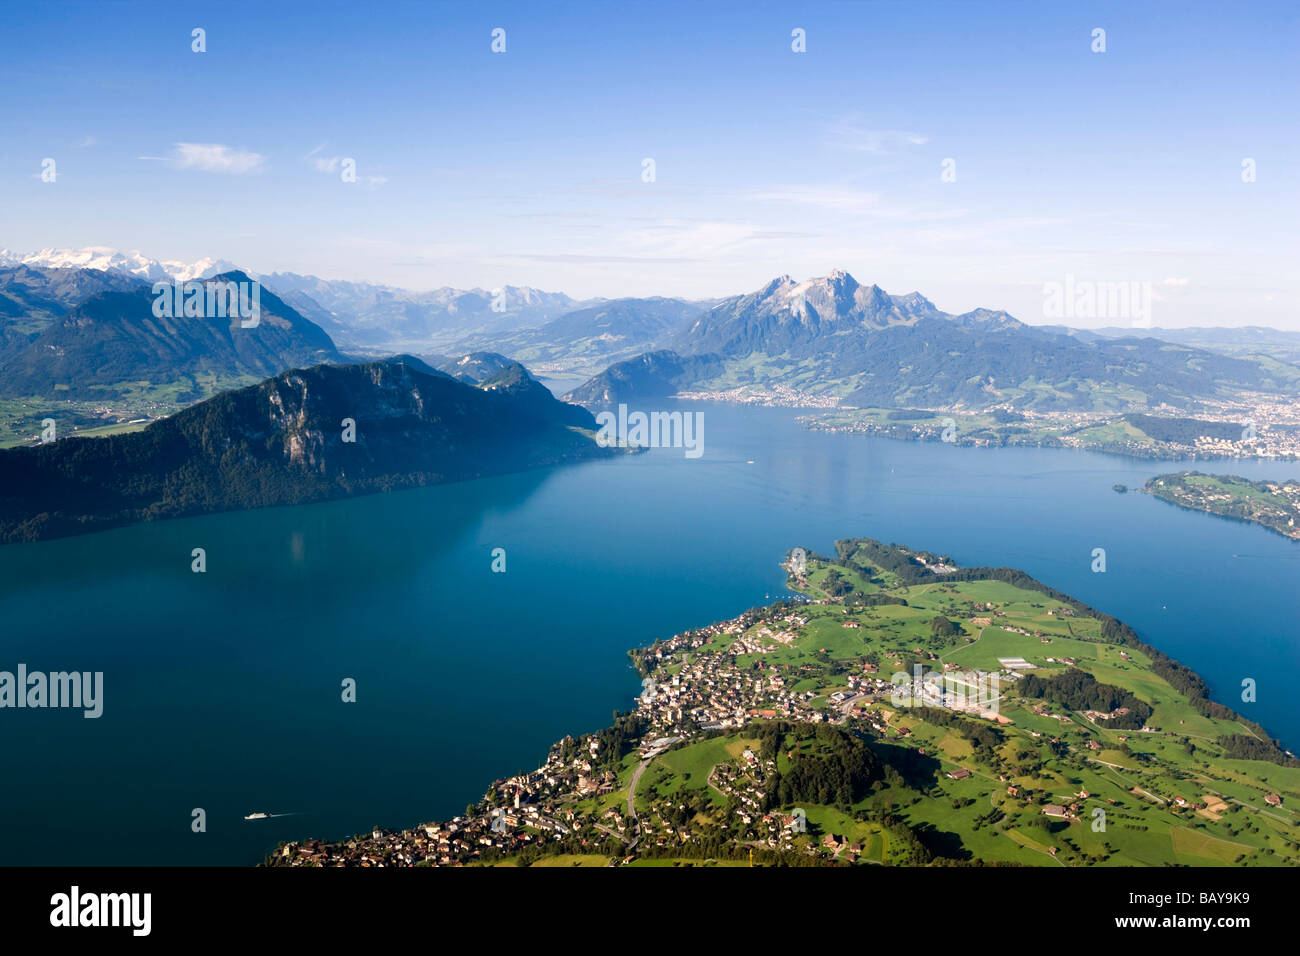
(477, 169)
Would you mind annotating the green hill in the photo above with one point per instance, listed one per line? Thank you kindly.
(286, 441)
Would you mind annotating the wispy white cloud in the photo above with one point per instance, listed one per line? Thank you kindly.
(598, 259)
(859, 202)
(213, 158)
(851, 133)
(689, 239)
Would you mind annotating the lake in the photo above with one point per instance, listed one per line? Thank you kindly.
(222, 690)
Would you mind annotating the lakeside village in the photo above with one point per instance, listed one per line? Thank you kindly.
(583, 798)
(1237, 434)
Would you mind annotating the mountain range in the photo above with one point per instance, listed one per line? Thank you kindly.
(78, 333)
(107, 259)
(65, 330)
(1238, 340)
(286, 441)
(832, 337)
(592, 337)
(362, 314)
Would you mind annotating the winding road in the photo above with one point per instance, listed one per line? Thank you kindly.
(631, 799)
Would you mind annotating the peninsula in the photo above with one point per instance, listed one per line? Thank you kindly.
(898, 711)
(1273, 504)
(1222, 433)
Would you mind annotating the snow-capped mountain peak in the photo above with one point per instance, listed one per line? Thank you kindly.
(108, 259)
(202, 269)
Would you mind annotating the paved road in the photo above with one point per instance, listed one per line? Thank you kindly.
(631, 799)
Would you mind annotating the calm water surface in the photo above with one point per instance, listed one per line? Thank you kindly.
(222, 690)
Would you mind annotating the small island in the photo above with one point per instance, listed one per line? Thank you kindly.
(900, 710)
(1273, 504)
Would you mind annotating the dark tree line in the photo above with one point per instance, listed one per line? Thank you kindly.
(1184, 431)
(1246, 747)
(982, 736)
(1079, 690)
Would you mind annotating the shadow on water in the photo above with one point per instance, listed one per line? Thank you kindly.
(376, 536)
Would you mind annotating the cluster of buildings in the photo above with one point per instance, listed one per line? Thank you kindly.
(766, 395)
(574, 797)
(1268, 429)
(708, 692)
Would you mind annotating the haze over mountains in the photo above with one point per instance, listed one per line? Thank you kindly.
(1238, 340)
(589, 338)
(375, 315)
(82, 325)
(379, 315)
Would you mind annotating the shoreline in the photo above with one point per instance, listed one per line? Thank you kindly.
(652, 740)
(977, 429)
(1290, 531)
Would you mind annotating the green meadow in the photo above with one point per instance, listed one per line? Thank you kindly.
(1145, 792)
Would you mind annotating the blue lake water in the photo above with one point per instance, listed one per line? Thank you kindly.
(222, 690)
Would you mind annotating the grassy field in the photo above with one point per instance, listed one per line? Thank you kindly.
(1049, 779)
(1046, 755)
(125, 406)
